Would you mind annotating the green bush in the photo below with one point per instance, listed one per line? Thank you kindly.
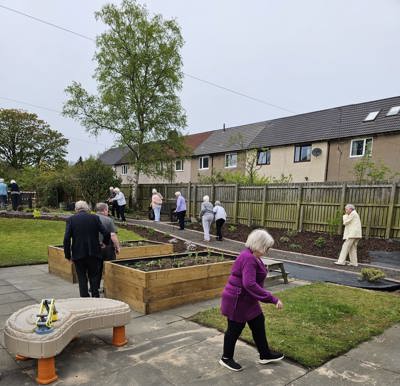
(372, 274)
(291, 232)
(36, 213)
(284, 239)
(320, 242)
(295, 247)
(334, 222)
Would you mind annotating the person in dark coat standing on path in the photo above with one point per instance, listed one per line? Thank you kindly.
(240, 300)
(180, 210)
(84, 228)
(15, 194)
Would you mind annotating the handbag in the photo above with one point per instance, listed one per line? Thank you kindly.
(151, 214)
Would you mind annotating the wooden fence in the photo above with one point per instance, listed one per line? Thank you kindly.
(315, 207)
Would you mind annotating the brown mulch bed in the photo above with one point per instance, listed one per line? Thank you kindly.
(304, 242)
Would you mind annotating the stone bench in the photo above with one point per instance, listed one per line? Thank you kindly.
(276, 266)
(74, 316)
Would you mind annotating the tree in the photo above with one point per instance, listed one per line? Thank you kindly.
(368, 171)
(94, 179)
(26, 140)
(138, 74)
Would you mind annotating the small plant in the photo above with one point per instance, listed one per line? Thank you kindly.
(372, 274)
(44, 209)
(320, 242)
(284, 239)
(334, 222)
(291, 233)
(295, 247)
(151, 231)
(36, 213)
(232, 228)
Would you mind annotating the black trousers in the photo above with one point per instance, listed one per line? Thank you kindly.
(14, 201)
(219, 223)
(181, 218)
(88, 268)
(121, 212)
(114, 209)
(257, 327)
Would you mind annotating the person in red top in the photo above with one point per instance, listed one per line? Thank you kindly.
(241, 296)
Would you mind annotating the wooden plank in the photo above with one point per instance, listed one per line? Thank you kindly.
(58, 265)
(390, 211)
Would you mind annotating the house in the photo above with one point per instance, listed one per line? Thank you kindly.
(224, 150)
(118, 158)
(325, 145)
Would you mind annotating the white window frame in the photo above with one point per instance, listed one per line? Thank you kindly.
(124, 170)
(372, 116)
(364, 146)
(181, 163)
(393, 111)
(201, 162)
(228, 159)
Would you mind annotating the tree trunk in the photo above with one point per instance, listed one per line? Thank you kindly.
(135, 184)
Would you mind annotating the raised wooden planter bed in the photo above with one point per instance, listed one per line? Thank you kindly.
(162, 289)
(61, 267)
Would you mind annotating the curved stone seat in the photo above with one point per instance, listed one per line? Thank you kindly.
(74, 316)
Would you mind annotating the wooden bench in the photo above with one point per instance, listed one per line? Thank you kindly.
(74, 316)
(276, 266)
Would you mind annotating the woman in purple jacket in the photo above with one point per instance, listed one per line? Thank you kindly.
(241, 297)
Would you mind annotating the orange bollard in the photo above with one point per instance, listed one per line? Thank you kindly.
(119, 338)
(21, 358)
(46, 372)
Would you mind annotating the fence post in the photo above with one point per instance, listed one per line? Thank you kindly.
(390, 211)
(299, 217)
(342, 204)
(189, 198)
(236, 205)
(194, 199)
(264, 205)
(212, 195)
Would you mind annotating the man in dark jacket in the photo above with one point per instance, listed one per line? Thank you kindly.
(84, 228)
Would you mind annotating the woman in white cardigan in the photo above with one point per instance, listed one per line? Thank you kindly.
(351, 236)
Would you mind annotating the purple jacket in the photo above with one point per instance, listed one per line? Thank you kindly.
(244, 289)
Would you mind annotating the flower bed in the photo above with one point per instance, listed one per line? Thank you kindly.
(61, 267)
(153, 284)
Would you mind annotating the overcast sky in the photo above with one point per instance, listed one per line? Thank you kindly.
(300, 55)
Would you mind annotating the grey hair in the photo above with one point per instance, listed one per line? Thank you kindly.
(177, 193)
(206, 198)
(13, 182)
(101, 207)
(217, 203)
(81, 206)
(1, 179)
(154, 191)
(259, 240)
(117, 190)
(111, 188)
(350, 206)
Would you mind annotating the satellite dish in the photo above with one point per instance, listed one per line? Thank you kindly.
(316, 152)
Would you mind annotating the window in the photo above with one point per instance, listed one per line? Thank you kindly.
(302, 153)
(230, 160)
(393, 111)
(203, 162)
(371, 116)
(264, 157)
(124, 170)
(179, 165)
(361, 147)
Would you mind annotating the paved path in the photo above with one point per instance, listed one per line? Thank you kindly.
(165, 348)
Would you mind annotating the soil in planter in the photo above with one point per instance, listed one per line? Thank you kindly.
(306, 242)
(178, 261)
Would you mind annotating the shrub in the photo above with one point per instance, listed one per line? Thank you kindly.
(43, 209)
(231, 228)
(295, 247)
(284, 239)
(372, 274)
(36, 213)
(291, 232)
(320, 242)
(334, 222)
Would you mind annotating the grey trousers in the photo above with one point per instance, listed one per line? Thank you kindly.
(207, 220)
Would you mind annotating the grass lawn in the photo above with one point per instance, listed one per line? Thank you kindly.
(24, 241)
(319, 321)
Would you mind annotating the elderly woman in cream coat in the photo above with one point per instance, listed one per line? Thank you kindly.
(207, 217)
(351, 236)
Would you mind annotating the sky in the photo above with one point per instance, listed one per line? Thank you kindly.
(290, 56)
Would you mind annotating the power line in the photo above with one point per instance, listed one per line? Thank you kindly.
(185, 73)
(55, 111)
